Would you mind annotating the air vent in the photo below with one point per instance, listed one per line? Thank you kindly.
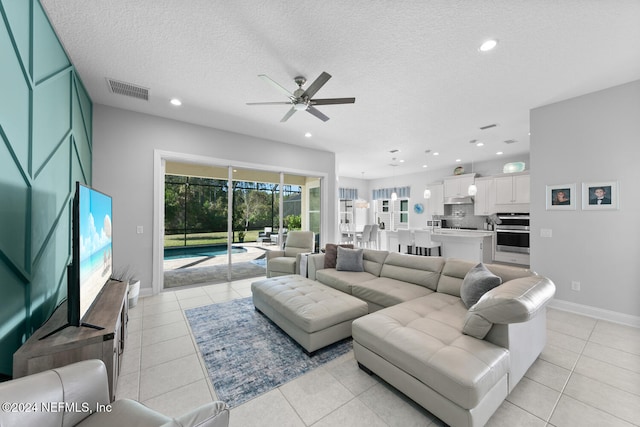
(510, 141)
(394, 151)
(128, 89)
(488, 126)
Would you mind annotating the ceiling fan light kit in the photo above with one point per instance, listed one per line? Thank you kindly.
(301, 99)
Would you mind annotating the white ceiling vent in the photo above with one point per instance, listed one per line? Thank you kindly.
(510, 141)
(128, 89)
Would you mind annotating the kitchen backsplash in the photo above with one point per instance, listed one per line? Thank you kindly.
(463, 216)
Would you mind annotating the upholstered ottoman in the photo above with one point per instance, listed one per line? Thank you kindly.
(311, 313)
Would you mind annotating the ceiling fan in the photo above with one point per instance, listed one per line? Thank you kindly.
(301, 99)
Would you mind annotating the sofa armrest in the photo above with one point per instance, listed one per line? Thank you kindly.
(215, 414)
(315, 263)
(274, 254)
(515, 301)
(82, 384)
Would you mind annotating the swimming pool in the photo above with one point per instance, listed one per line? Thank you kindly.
(200, 251)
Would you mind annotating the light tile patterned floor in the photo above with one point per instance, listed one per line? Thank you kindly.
(587, 375)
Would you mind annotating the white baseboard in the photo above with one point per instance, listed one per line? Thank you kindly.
(598, 313)
(146, 292)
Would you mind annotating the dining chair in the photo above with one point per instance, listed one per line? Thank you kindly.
(405, 238)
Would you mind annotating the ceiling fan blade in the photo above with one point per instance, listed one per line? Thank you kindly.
(317, 113)
(289, 114)
(316, 85)
(276, 85)
(270, 103)
(328, 101)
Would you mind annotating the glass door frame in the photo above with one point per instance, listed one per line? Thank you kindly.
(328, 211)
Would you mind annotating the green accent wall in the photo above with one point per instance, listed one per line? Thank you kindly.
(45, 147)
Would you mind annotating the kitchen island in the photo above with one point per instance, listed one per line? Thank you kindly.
(474, 245)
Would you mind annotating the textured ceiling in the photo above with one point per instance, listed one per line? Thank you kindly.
(414, 67)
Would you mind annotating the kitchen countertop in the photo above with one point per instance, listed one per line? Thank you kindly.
(461, 233)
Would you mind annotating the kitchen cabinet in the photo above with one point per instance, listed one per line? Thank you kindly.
(484, 200)
(458, 186)
(512, 189)
(435, 204)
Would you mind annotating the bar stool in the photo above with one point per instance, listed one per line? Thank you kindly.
(405, 238)
(422, 239)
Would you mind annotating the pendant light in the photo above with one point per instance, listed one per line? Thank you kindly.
(473, 189)
(394, 195)
(427, 191)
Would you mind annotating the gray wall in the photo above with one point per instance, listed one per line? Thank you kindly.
(123, 156)
(590, 138)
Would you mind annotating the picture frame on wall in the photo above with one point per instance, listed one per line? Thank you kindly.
(561, 197)
(601, 195)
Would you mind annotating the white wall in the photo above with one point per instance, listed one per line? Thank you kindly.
(123, 157)
(595, 137)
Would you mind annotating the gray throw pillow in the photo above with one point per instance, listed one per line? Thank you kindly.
(478, 281)
(331, 254)
(349, 259)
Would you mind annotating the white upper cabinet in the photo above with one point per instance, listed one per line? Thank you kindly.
(458, 186)
(512, 189)
(484, 201)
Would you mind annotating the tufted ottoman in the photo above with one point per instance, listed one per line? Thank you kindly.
(311, 313)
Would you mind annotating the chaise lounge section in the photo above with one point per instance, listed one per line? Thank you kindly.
(459, 362)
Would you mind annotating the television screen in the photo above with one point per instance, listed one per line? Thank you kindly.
(95, 246)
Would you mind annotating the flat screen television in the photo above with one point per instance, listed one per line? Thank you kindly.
(92, 254)
(92, 264)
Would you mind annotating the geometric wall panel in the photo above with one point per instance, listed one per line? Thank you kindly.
(45, 120)
(15, 202)
(48, 55)
(19, 17)
(51, 117)
(49, 196)
(14, 85)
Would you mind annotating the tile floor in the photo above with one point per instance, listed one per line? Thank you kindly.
(588, 375)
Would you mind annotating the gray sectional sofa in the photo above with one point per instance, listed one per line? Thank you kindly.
(459, 363)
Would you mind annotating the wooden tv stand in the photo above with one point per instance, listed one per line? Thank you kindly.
(73, 344)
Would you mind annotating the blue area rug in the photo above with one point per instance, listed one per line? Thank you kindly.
(246, 354)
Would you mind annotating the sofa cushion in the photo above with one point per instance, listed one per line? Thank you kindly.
(342, 280)
(423, 338)
(331, 254)
(515, 301)
(373, 260)
(419, 270)
(385, 292)
(452, 276)
(476, 283)
(282, 264)
(349, 259)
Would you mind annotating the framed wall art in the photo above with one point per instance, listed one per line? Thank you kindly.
(600, 195)
(561, 197)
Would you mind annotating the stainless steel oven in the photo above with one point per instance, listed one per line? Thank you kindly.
(512, 233)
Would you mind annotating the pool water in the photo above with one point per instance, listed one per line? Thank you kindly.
(200, 251)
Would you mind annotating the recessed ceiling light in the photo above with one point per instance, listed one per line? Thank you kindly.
(401, 161)
(308, 135)
(488, 45)
(424, 166)
(176, 102)
(480, 144)
(499, 153)
(458, 160)
(436, 154)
